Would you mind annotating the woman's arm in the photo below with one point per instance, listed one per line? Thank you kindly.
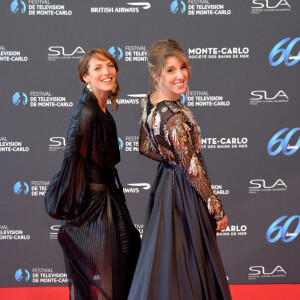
(146, 147)
(179, 137)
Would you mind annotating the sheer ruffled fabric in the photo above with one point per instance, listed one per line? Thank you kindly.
(64, 196)
(101, 246)
(99, 241)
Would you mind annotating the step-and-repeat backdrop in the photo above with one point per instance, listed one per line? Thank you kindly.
(244, 92)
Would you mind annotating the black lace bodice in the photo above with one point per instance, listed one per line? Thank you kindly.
(169, 132)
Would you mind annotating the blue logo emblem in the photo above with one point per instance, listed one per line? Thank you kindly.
(22, 274)
(283, 143)
(282, 231)
(120, 143)
(284, 54)
(19, 98)
(182, 98)
(178, 6)
(18, 6)
(21, 187)
(116, 52)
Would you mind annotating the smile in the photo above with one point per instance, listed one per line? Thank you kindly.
(179, 83)
(107, 80)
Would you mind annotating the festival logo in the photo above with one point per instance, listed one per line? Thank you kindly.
(178, 7)
(18, 6)
(22, 275)
(281, 53)
(131, 53)
(206, 8)
(260, 185)
(21, 187)
(20, 98)
(12, 234)
(11, 146)
(261, 96)
(199, 8)
(39, 188)
(45, 8)
(120, 143)
(45, 99)
(11, 55)
(271, 6)
(257, 272)
(277, 232)
(283, 143)
(47, 275)
(132, 143)
(135, 53)
(116, 52)
(204, 99)
(40, 99)
(39, 8)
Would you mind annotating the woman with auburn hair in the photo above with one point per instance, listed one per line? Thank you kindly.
(99, 241)
(179, 258)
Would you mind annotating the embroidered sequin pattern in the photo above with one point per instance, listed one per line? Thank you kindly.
(169, 132)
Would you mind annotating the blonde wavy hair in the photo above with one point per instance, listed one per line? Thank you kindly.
(159, 52)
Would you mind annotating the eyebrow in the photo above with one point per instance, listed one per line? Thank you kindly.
(183, 64)
(100, 64)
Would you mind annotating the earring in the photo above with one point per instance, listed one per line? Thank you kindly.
(114, 88)
(159, 85)
(88, 86)
(187, 91)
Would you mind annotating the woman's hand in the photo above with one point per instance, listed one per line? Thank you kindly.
(222, 224)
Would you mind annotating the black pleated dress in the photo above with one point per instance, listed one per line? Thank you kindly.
(99, 241)
(179, 258)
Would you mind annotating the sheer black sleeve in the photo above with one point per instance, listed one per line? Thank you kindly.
(146, 146)
(65, 193)
(179, 137)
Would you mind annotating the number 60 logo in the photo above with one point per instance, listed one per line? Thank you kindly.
(283, 143)
(283, 230)
(284, 53)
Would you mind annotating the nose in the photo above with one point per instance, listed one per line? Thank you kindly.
(105, 70)
(180, 74)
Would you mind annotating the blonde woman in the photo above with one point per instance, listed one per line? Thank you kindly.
(179, 258)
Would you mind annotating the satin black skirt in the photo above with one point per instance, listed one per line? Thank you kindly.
(100, 247)
(179, 258)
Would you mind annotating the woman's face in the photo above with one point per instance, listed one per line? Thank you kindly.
(101, 74)
(173, 78)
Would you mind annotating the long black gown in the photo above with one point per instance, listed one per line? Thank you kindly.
(179, 258)
(99, 241)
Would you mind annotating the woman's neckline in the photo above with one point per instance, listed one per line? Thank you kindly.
(97, 102)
